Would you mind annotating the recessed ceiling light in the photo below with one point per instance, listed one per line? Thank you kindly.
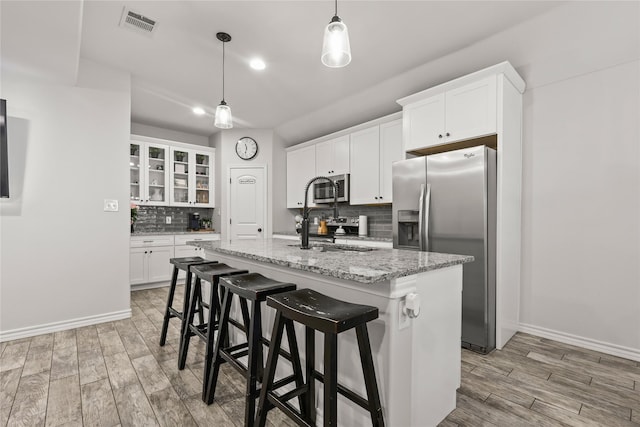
(198, 111)
(257, 64)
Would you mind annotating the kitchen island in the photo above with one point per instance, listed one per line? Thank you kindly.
(417, 359)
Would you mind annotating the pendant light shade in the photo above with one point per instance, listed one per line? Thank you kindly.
(336, 50)
(223, 119)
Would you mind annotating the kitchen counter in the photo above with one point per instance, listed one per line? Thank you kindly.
(177, 233)
(343, 236)
(417, 358)
(372, 266)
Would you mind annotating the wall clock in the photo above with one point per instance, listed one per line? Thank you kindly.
(246, 148)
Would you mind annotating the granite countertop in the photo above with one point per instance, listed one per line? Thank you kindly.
(164, 233)
(370, 266)
(343, 236)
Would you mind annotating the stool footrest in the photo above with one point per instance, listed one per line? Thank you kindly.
(174, 313)
(237, 324)
(289, 410)
(284, 381)
(355, 398)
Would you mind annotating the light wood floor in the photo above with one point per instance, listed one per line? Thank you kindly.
(116, 374)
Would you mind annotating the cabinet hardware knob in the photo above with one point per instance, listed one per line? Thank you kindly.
(150, 252)
(259, 230)
(380, 197)
(376, 198)
(448, 134)
(145, 252)
(440, 136)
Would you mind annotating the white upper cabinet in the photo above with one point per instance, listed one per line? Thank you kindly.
(168, 173)
(192, 172)
(373, 150)
(301, 167)
(332, 156)
(148, 176)
(459, 113)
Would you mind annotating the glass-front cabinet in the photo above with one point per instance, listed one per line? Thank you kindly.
(148, 176)
(156, 175)
(192, 182)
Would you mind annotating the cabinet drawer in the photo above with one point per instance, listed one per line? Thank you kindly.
(150, 241)
(182, 239)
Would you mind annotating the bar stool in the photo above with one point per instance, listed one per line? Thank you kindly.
(210, 273)
(185, 265)
(318, 312)
(256, 288)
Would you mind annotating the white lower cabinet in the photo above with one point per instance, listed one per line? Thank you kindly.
(149, 261)
(149, 255)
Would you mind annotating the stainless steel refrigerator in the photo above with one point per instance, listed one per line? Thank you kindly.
(447, 203)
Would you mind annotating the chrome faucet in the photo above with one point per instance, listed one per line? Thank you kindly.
(306, 209)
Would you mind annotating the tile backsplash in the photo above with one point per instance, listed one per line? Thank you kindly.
(378, 217)
(152, 218)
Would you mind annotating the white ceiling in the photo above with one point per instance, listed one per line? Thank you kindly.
(179, 66)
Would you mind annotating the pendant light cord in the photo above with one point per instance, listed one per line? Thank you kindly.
(336, 14)
(223, 43)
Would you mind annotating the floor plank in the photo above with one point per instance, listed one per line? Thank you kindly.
(64, 407)
(98, 405)
(150, 374)
(9, 381)
(170, 410)
(65, 360)
(133, 406)
(14, 356)
(30, 404)
(91, 365)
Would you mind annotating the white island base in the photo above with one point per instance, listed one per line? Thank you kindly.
(417, 360)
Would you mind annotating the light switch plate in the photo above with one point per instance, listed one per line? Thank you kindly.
(110, 205)
(167, 220)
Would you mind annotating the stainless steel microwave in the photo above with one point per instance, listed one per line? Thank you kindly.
(323, 190)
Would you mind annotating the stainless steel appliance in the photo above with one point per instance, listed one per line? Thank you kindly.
(447, 203)
(323, 190)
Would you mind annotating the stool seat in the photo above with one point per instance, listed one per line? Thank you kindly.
(255, 287)
(185, 262)
(321, 312)
(208, 272)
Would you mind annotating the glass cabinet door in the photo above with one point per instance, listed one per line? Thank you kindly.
(180, 185)
(135, 177)
(203, 180)
(156, 174)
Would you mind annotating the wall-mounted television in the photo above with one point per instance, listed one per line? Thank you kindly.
(4, 161)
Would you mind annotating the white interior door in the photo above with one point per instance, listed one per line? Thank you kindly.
(247, 211)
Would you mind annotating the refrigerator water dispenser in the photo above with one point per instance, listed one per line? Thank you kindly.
(408, 229)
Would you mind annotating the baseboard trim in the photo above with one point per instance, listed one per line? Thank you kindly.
(47, 328)
(144, 286)
(588, 343)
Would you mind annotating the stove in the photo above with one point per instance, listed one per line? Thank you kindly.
(349, 224)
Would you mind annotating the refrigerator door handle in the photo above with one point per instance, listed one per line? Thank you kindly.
(423, 217)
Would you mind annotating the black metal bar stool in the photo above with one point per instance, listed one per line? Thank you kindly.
(318, 312)
(210, 273)
(185, 265)
(256, 288)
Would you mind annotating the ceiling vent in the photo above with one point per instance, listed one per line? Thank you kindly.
(137, 22)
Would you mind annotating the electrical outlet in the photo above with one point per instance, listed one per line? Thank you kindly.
(167, 220)
(110, 205)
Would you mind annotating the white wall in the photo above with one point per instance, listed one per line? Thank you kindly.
(581, 222)
(171, 135)
(225, 143)
(62, 257)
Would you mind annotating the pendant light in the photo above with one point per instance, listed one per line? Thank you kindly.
(336, 51)
(223, 111)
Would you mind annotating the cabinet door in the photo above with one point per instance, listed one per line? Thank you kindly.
(423, 123)
(201, 168)
(390, 151)
(365, 159)
(156, 175)
(324, 158)
(341, 155)
(136, 172)
(180, 182)
(301, 167)
(137, 265)
(471, 110)
(160, 269)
